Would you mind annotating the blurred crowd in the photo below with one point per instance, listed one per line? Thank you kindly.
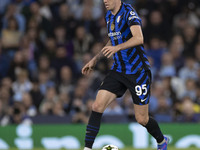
(45, 43)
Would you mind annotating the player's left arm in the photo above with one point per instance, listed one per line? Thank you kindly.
(137, 39)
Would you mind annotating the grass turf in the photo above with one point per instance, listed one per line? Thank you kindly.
(170, 148)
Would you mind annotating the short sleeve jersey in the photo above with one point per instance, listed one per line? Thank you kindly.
(131, 60)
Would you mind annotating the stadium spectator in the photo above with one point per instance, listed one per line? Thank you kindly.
(44, 82)
(190, 39)
(35, 42)
(79, 112)
(4, 59)
(29, 54)
(197, 53)
(189, 70)
(190, 90)
(96, 47)
(82, 42)
(58, 109)
(49, 101)
(66, 102)
(4, 5)
(62, 59)
(197, 99)
(65, 19)
(82, 90)
(127, 106)
(5, 96)
(44, 44)
(11, 35)
(16, 115)
(29, 108)
(36, 95)
(21, 85)
(176, 48)
(155, 51)
(157, 26)
(114, 109)
(169, 91)
(61, 40)
(167, 67)
(154, 70)
(12, 12)
(164, 110)
(156, 92)
(66, 84)
(43, 23)
(50, 48)
(44, 65)
(89, 107)
(45, 9)
(187, 111)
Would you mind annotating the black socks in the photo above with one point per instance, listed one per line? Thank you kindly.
(153, 128)
(92, 128)
(94, 125)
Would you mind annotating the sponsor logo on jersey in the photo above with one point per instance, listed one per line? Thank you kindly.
(133, 17)
(116, 35)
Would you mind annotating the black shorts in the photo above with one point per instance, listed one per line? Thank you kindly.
(138, 84)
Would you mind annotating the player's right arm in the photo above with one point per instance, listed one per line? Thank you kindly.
(91, 64)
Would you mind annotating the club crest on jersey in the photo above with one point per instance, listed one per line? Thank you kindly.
(118, 19)
(112, 27)
(132, 13)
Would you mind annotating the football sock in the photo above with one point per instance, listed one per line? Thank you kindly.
(161, 142)
(153, 128)
(92, 128)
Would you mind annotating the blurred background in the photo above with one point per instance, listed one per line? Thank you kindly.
(45, 43)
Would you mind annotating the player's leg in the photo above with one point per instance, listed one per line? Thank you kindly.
(110, 88)
(139, 87)
(103, 99)
(142, 117)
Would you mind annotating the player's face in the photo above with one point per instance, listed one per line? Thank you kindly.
(110, 4)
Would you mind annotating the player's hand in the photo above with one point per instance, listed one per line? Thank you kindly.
(108, 51)
(88, 67)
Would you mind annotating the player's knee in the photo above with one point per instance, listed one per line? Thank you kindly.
(142, 120)
(97, 107)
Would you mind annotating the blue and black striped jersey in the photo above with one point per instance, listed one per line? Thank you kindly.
(132, 60)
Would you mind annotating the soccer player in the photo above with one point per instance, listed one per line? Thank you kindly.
(130, 70)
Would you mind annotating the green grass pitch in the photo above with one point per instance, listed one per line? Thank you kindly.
(170, 148)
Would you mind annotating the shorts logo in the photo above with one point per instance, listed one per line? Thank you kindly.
(142, 100)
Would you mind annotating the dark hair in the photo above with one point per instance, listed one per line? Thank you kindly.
(13, 19)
